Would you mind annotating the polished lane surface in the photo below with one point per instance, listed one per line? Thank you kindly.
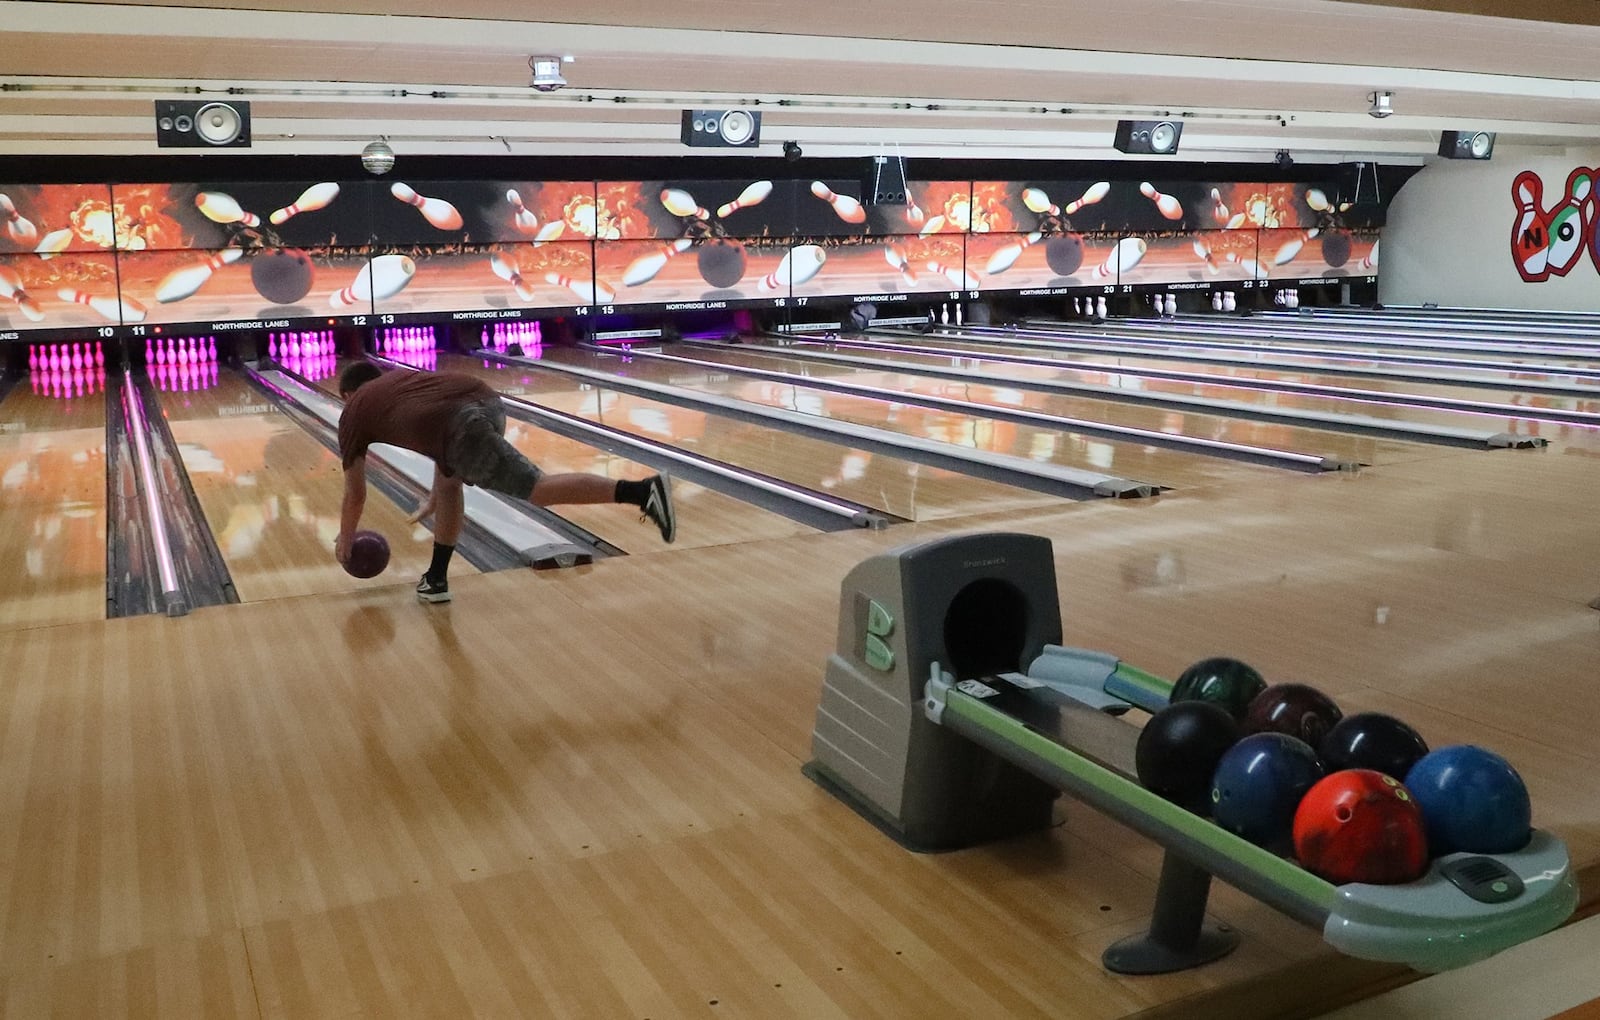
(1127, 459)
(52, 507)
(272, 495)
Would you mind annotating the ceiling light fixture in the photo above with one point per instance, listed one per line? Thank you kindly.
(1381, 107)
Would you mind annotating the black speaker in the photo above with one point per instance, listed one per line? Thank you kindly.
(202, 124)
(1466, 144)
(722, 129)
(886, 181)
(1148, 137)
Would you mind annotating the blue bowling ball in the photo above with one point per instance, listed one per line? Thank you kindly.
(1258, 785)
(1472, 801)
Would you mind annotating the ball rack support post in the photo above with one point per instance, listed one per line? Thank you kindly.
(1179, 937)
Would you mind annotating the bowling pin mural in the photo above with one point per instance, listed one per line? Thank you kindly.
(1095, 193)
(219, 207)
(385, 276)
(1530, 235)
(798, 266)
(508, 273)
(644, 268)
(755, 194)
(1166, 205)
(1006, 257)
(11, 287)
(590, 294)
(958, 277)
(114, 309)
(54, 243)
(1566, 226)
(1219, 211)
(318, 196)
(549, 232)
(846, 208)
(18, 228)
(896, 257)
(1129, 252)
(680, 203)
(523, 221)
(1317, 200)
(1035, 200)
(181, 283)
(436, 211)
(1289, 249)
(1203, 249)
(1371, 261)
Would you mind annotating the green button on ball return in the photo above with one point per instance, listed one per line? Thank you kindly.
(879, 621)
(879, 655)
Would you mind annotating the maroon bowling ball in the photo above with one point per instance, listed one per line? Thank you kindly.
(1064, 254)
(369, 554)
(722, 262)
(282, 277)
(1297, 710)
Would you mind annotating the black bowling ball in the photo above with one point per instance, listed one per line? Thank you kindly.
(282, 277)
(1372, 740)
(1336, 248)
(1064, 254)
(722, 262)
(1179, 748)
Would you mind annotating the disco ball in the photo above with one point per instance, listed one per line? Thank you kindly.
(378, 158)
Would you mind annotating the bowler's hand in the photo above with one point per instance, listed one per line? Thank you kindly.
(425, 510)
(341, 549)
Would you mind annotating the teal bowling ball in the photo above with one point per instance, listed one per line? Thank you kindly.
(1221, 681)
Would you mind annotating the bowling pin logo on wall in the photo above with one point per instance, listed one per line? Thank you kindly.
(1549, 242)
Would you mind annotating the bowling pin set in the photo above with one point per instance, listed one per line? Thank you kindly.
(181, 364)
(301, 344)
(945, 318)
(503, 334)
(1090, 308)
(1164, 304)
(1286, 298)
(1224, 301)
(406, 340)
(64, 371)
(311, 365)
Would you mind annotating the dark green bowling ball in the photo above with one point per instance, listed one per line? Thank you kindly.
(1221, 681)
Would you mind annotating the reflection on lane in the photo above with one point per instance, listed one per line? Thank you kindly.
(272, 494)
(53, 500)
(883, 482)
(1129, 459)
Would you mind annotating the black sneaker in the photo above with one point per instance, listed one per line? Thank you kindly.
(429, 590)
(658, 508)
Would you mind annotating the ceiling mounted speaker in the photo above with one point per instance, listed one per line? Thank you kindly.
(196, 124)
(1148, 137)
(1466, 144)
(722, 129)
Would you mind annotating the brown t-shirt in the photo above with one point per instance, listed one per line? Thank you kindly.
(406, 409)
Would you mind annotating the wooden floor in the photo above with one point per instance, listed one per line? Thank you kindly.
(577, 793)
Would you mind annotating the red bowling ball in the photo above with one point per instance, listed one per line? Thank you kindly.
(1296, 710)
(1361, 826)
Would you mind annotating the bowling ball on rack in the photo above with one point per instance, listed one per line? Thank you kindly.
(1298, 710)
(722, 262)
(1336, 248)
(1472, 801)
(1179, 748)
(1372, 740)
(1221, 681)
(1064, 254)
(369, 554)
(283, 276)
(1361, 826)
(1258, 785)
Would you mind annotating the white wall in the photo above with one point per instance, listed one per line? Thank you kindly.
(1448, 236)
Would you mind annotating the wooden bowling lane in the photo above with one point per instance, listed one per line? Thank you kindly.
(271, 494)
(52, 508)
(1229, 386)
(1045, 445)
(1355, 338)
(1316, 442)
(891, 484)
(705, 516)
(1231, 355)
